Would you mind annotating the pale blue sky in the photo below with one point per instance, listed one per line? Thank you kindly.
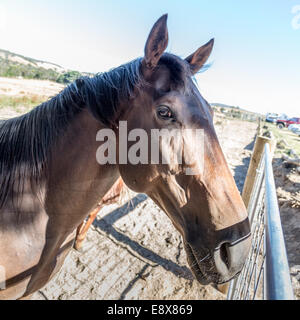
(255, 62)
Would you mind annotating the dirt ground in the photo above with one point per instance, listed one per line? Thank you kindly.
(17, 87)
(288, 192)
(133, 251)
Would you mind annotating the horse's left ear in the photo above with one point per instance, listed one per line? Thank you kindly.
(200, 56)
(157, 42)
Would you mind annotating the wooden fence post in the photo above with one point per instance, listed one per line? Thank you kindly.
(259, 127)
(254, 162)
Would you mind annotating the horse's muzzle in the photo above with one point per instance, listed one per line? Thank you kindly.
(221, 264)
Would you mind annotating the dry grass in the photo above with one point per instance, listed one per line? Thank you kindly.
(21, 104)
(286, 139)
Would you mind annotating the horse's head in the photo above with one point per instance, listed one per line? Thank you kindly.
(198, 193)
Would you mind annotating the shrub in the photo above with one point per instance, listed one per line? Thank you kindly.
(13, 69)
(68, 77)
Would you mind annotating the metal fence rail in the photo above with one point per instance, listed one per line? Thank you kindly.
(266, 272)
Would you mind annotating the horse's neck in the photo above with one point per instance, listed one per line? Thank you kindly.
(77, 182)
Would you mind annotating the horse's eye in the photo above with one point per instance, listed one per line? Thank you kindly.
(164, 113)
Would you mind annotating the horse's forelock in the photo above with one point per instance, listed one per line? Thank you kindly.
(179, 70)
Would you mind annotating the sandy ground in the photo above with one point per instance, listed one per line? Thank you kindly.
(22, 87)
(133, 251)
(19, 87)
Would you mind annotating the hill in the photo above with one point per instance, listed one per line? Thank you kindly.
(14, 65)
(236, 112)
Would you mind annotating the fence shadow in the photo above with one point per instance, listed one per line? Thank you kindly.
(105, 224)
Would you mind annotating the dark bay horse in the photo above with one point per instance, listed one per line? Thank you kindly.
(50, 177)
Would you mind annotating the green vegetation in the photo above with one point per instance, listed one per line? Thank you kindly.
(13, 69)
(236, 114)
(29, 68)
(21, 104)
(68, 77)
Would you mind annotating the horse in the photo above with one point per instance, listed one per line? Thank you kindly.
(51, 176)
(112, 196)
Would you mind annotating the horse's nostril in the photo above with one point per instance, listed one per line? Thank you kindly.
(224, 254)
(229, 257)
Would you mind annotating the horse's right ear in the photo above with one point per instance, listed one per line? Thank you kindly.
(157, 43)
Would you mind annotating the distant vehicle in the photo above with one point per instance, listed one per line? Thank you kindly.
(272, 117)
(294, 127)
(297, 131)
(284, 123)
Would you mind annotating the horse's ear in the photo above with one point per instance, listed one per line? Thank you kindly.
(200, 56)
(157, 42)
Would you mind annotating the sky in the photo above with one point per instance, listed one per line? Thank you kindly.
(255, 63)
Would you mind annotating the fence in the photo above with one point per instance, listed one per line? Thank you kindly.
(266, 272)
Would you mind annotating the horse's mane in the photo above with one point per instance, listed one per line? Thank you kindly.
(25, 141)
